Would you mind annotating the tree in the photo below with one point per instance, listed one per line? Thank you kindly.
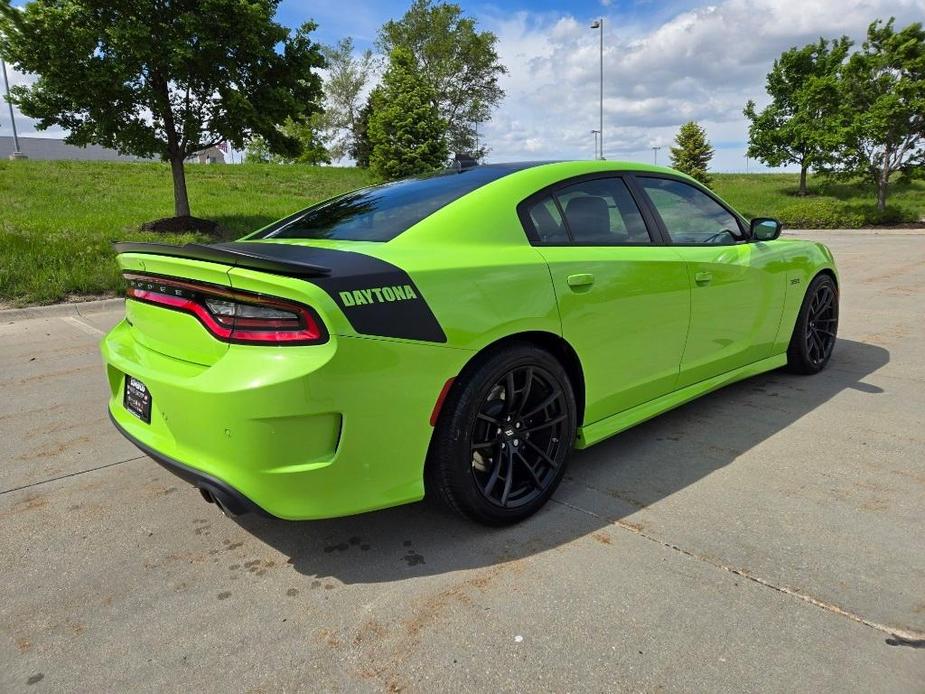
(882, 114)
(797, 126)
(347, 77)
(405, 128)
(256, 151)
(692, 152)
(312, 137)
(312, 144)
(148, 77)
(361, 147)
(460, 64)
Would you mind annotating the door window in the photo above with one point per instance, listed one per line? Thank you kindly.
(547, 222)
(691, 217)
(602, 212)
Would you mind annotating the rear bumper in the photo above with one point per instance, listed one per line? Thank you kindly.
(299, 433)
(228, 497)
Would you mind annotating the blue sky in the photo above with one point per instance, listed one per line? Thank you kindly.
(361, 19)
(665, 62)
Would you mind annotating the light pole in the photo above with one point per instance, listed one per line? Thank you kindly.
(599, 24)
(6, 83)
(655, 149)
(595, 133)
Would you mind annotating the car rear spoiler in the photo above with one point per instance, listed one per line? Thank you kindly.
(276, 258)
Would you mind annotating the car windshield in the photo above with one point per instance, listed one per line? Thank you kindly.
(380, 213)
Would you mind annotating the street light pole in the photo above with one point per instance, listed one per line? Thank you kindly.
(655, 149)
(17, 154)
(595, 133)
(599, 24)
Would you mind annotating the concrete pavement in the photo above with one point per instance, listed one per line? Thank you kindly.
(767, 537)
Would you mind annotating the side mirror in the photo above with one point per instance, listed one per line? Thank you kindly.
(765, 229)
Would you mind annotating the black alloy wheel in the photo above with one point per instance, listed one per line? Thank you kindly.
(518, 432)
(821, 325)
(504, 435)
(816, 328)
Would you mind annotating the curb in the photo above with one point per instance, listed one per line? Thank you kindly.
(79, 308)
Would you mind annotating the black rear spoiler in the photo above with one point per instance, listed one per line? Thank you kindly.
(276, 258)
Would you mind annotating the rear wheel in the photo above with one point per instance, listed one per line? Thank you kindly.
(814, 334)
(504, 436)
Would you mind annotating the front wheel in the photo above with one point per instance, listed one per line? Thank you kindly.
(814, 334)
(504, 437)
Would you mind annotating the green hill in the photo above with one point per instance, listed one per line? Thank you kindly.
(59, 219)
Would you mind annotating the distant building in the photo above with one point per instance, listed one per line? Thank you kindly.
(212, 155)
(53, 149)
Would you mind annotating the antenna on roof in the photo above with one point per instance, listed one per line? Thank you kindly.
(463, 161)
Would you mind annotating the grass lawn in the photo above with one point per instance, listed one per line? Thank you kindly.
(829, 205)
(59, 219)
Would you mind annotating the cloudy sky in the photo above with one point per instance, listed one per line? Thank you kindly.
(665, 62)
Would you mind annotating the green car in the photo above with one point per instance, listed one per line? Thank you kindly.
(459, 332)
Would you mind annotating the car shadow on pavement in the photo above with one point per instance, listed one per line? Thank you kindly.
(604, 484)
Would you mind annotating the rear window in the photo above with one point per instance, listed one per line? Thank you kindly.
(381, 213)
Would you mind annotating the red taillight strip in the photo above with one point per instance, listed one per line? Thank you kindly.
(186, 305)
(307, 330)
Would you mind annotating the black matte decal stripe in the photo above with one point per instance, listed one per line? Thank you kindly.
(377, 298)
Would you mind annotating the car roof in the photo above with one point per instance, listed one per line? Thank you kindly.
(590, 164)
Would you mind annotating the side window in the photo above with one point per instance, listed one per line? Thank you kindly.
(547, 222)
(690, 216)
(602, 212)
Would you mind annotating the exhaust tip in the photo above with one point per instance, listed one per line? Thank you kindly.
(226, 503)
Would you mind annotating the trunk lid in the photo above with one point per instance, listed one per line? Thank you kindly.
(173, 333)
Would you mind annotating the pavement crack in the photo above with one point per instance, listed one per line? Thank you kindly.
(899, 637)
(71, 474)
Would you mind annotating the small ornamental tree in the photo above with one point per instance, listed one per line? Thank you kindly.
(797, 127)
(405, 128)
(882, 122)
(167, 79)
(692, 152)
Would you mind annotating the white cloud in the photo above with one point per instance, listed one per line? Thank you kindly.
(700, 64)
(661, 69)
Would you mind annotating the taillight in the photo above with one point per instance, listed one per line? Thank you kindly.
(232, 315)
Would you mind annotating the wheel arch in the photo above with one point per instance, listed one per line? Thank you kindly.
(556, 345)
(824, 271)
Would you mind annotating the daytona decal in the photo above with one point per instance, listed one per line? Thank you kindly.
(380, 294)
(377, 298)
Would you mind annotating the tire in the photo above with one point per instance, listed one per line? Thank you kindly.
(816, 328)
(497, 459)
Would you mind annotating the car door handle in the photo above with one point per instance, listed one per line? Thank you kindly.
(703, 277)
(581, 280)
